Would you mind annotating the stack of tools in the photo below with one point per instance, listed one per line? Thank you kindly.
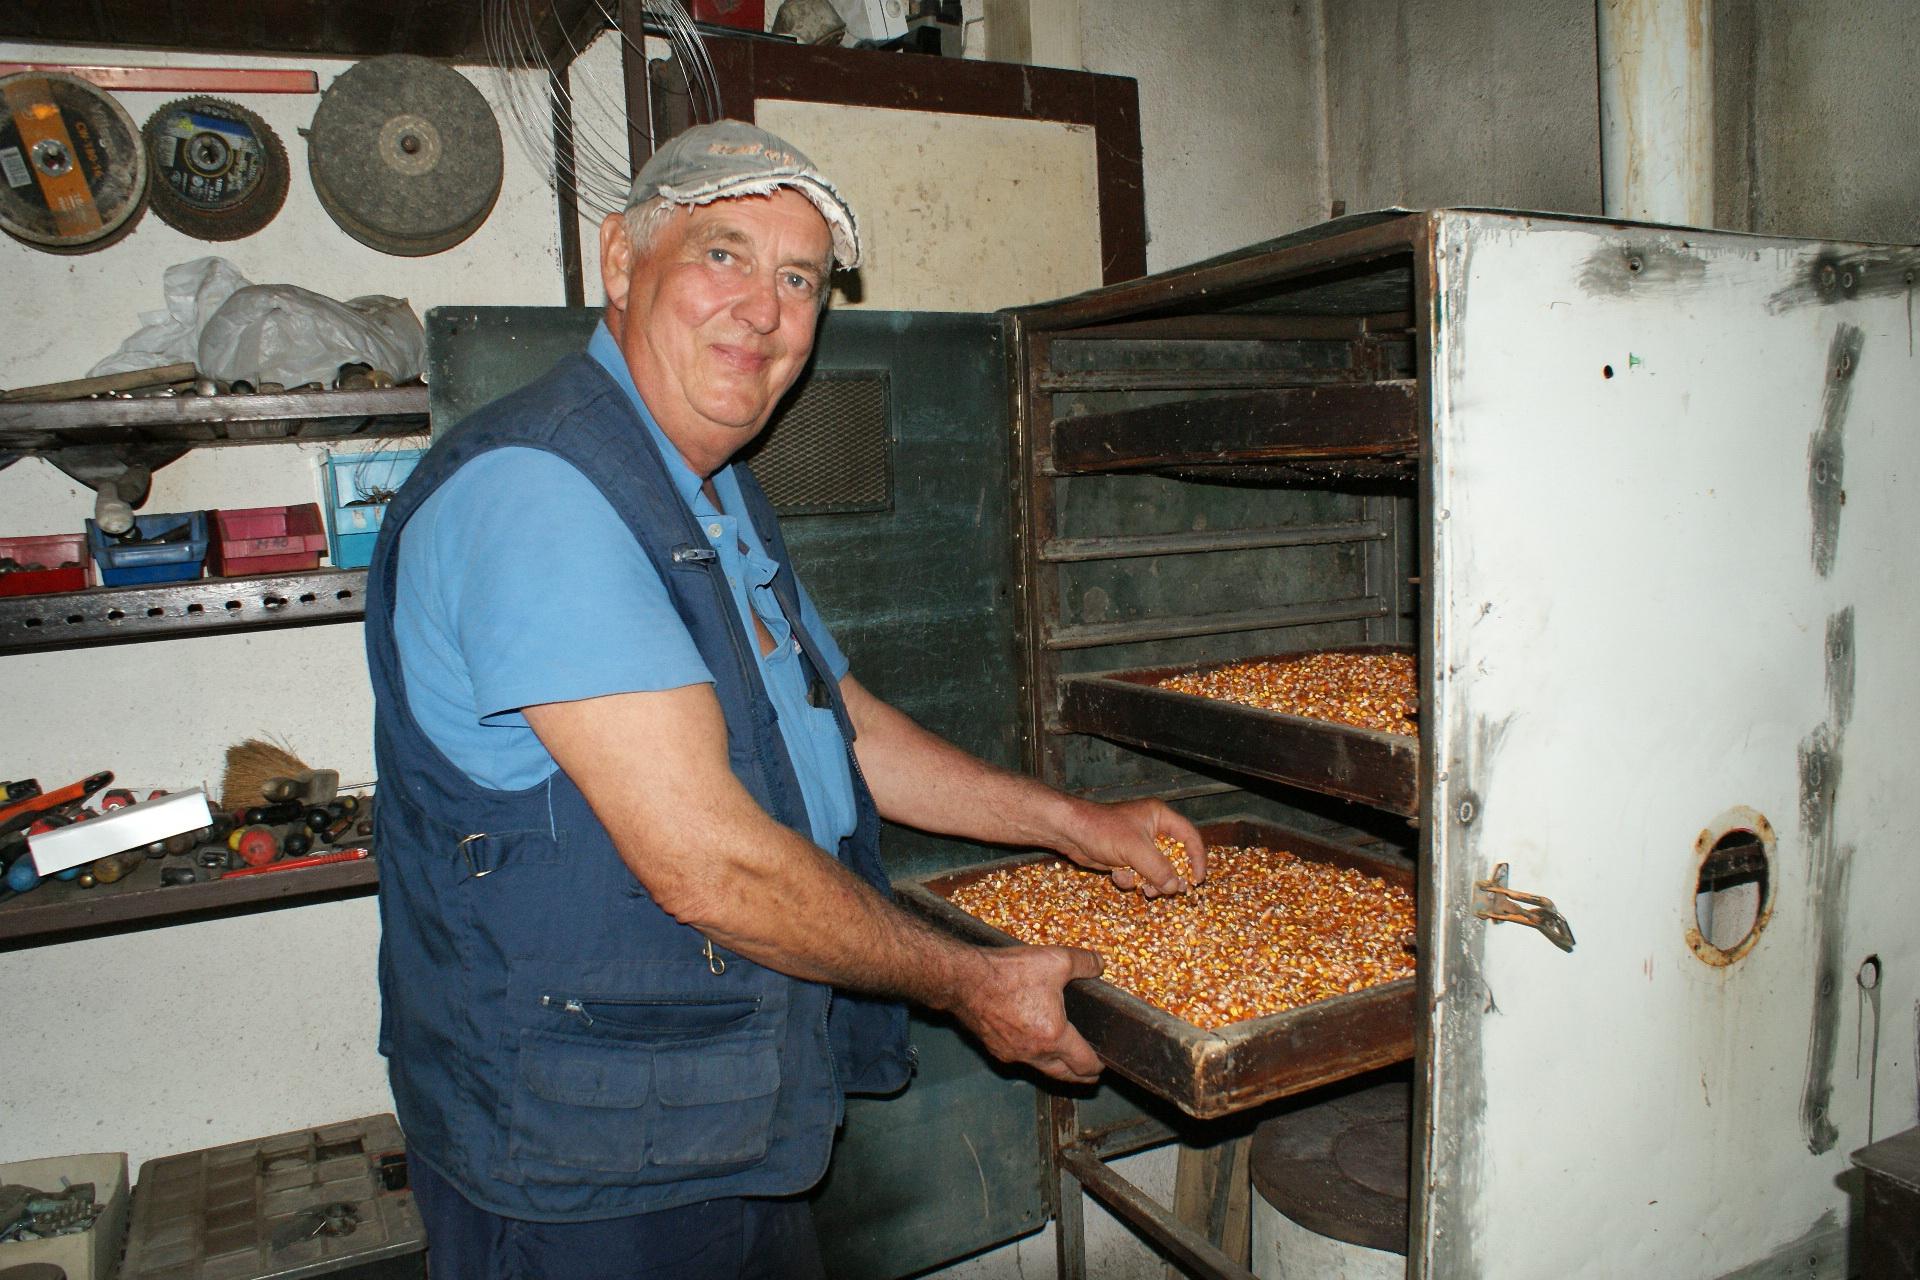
(273, 814)
(286, 815)
(28, 1213)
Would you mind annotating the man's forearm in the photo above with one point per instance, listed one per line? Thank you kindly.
(920, 779)
(713, 859)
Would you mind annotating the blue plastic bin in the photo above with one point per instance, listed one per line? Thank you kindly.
(128, 563)
(358, 488)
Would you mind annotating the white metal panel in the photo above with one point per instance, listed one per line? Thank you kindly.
(1672, 531)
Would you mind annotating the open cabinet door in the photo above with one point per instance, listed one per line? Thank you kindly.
(1671, 618)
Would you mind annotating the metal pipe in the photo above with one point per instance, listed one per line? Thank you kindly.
(1656, 110)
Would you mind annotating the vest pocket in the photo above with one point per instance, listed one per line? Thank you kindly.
(635, 1091)
(716, 1105)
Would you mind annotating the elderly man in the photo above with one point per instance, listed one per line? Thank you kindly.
(637, 939)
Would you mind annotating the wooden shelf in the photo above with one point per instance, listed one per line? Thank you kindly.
(61, 908)
(1362, 765)
(171, 610)
(1362, 421)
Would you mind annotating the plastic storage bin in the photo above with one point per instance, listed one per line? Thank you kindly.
(127, 563)
(359, 486)
(266, 540)
(94, 1253)
(63, 561)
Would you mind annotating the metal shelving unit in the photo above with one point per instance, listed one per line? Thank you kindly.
(59, 910)
(192, 421)
(113, 615)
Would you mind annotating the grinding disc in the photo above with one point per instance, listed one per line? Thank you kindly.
(405, 155)
(73, 175)
(219, 172)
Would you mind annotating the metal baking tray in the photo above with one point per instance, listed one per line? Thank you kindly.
(1378, 769)
(1228, 1069)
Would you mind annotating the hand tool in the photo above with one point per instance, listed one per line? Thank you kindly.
(311, 787)
(20, 813)
(273, 815)
(171, 876)
(317, 860)
(24, 789)
(114, 866)
(256, 844)
(21, 876)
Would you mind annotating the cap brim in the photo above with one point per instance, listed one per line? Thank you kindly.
(839, 218)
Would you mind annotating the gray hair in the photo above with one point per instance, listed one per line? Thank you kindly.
(645, 221)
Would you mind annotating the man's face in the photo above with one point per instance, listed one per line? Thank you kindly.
(717, 318)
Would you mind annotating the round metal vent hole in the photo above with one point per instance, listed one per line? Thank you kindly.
(1733, 887)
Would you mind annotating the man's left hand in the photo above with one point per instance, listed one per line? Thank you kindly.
(1120, 839)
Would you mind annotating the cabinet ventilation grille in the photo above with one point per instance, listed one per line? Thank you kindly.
(830, 447)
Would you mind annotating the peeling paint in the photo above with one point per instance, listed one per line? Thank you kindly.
(1831, 276)
(1819, 1251)
(1829, 868)
(1826, 450)
(1652, 267)
(1840, 667)
(1459, 1106)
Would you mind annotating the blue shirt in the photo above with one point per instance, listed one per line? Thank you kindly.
(518, 585)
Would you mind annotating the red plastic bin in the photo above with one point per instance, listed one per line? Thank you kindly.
(266, 540)
(63, 557)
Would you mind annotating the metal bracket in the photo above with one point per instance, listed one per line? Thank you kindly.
(1492, 900)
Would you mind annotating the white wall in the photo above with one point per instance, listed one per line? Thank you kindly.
(1230, 116)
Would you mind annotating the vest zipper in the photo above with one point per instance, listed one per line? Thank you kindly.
(570, 1004)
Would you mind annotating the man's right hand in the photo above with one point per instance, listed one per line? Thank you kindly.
(1018, 1011)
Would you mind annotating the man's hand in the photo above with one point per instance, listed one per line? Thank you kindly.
(925, 782)
(1119, 839)
(1017, 1010)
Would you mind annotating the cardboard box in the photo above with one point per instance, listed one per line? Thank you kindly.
(93, 1254)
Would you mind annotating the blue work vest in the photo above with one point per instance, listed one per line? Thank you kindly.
(560, 1047)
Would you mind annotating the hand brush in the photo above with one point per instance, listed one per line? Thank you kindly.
(250, 766)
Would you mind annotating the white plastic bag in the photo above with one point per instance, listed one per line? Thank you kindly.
(193, 292)
(289, 335)
(238, 331)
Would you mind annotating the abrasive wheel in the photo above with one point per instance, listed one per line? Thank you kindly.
(405, 155)
(219, 173)
(73, 175)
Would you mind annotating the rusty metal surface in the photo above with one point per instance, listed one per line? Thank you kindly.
(110, 615)
(1192, 1252)
(1215, 1073)
(1380, 769)
(1366, 420)
(212, 419)
(1345, 257)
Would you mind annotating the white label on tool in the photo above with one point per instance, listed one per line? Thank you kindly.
(171, 145)
(16, 166)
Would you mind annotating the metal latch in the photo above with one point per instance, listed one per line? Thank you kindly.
(1492, 900)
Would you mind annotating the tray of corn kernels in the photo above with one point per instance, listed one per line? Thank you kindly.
(1289, 967)
(1339, 721)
